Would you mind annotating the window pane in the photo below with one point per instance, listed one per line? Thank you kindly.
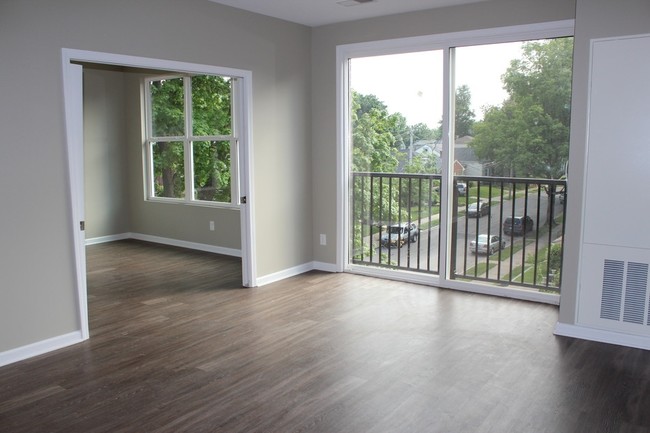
(396, 109)
(211, 105)
(168, 169)
(167, 107)
(396, 105)
(212, 171)
(513, 108)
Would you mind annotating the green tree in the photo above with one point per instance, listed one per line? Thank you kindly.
(422, 132)
(377, 137)
(464, 116)
(373, 142)
(211, 116)
(167, 120)
(528, 135)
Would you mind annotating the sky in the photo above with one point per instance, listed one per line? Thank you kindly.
(411, 83)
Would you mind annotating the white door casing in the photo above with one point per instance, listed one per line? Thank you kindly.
(73, 109)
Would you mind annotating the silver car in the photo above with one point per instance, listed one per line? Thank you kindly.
(399, 234)
(482, 245)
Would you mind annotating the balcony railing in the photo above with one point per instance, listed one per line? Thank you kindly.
(505, 231)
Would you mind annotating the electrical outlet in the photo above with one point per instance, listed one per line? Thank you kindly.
(323, 239)
(211, 226)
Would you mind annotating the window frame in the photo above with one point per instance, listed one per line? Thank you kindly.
(188, 138)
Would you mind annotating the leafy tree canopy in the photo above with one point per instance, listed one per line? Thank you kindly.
(378, 136)
(464, 115)
(528, 135)
(211, 116)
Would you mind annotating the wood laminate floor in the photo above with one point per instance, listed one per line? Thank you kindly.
(177, 346)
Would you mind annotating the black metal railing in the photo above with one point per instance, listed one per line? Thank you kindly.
(506, 231)
(383, 203)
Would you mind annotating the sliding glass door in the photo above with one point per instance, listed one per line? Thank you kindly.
(456, 160)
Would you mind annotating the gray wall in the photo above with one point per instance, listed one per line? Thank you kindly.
(495, 13)
(594, 19)
(37, 297)
(106, 172)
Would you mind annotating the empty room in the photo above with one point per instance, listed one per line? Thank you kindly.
(336, 216)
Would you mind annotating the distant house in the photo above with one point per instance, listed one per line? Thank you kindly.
(424, 149)
(465, 156)
(466, 163)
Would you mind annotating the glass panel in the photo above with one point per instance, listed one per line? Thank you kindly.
(212, 171)
(167, 106)
(396, 113)
(211, 105)
(168, 169)
(511, 110)
(510, 154)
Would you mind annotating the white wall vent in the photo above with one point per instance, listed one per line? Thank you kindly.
(612, 298)
(625, 290)
(610, 304)
(614, 289)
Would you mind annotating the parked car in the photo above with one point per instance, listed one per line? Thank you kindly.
(485, 246)
(478, 209)
(462, 188)
(399, 234)
(517, 225)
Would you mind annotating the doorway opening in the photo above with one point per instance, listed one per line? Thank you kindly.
(73, 65)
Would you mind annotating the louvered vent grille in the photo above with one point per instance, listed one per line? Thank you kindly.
(610, 303)
(634, 278)
(635, 292)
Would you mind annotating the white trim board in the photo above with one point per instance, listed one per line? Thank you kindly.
(296, 270)
(40, 347)
(261, 281)
(109, 238)
(601, 336)
(166, 241)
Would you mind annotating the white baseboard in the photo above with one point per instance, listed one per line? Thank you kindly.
(296, 270)
(185, 244)
(166, 241)
(325, 267)
(286, 273)
(40, 347)
(110, 238)
(602, 336)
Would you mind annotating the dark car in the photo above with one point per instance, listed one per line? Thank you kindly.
(478, 209)
(399, 234)
(517, 225)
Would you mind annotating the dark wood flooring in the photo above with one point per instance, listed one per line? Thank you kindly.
(177, 346)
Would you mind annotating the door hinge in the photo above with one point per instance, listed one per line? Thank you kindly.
(82, 225)
(242, 199)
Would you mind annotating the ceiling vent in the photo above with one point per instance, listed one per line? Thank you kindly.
(354, 2)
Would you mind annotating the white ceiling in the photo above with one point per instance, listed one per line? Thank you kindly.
(319, 12)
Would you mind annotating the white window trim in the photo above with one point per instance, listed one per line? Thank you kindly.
(445, 42)
(187, 139)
